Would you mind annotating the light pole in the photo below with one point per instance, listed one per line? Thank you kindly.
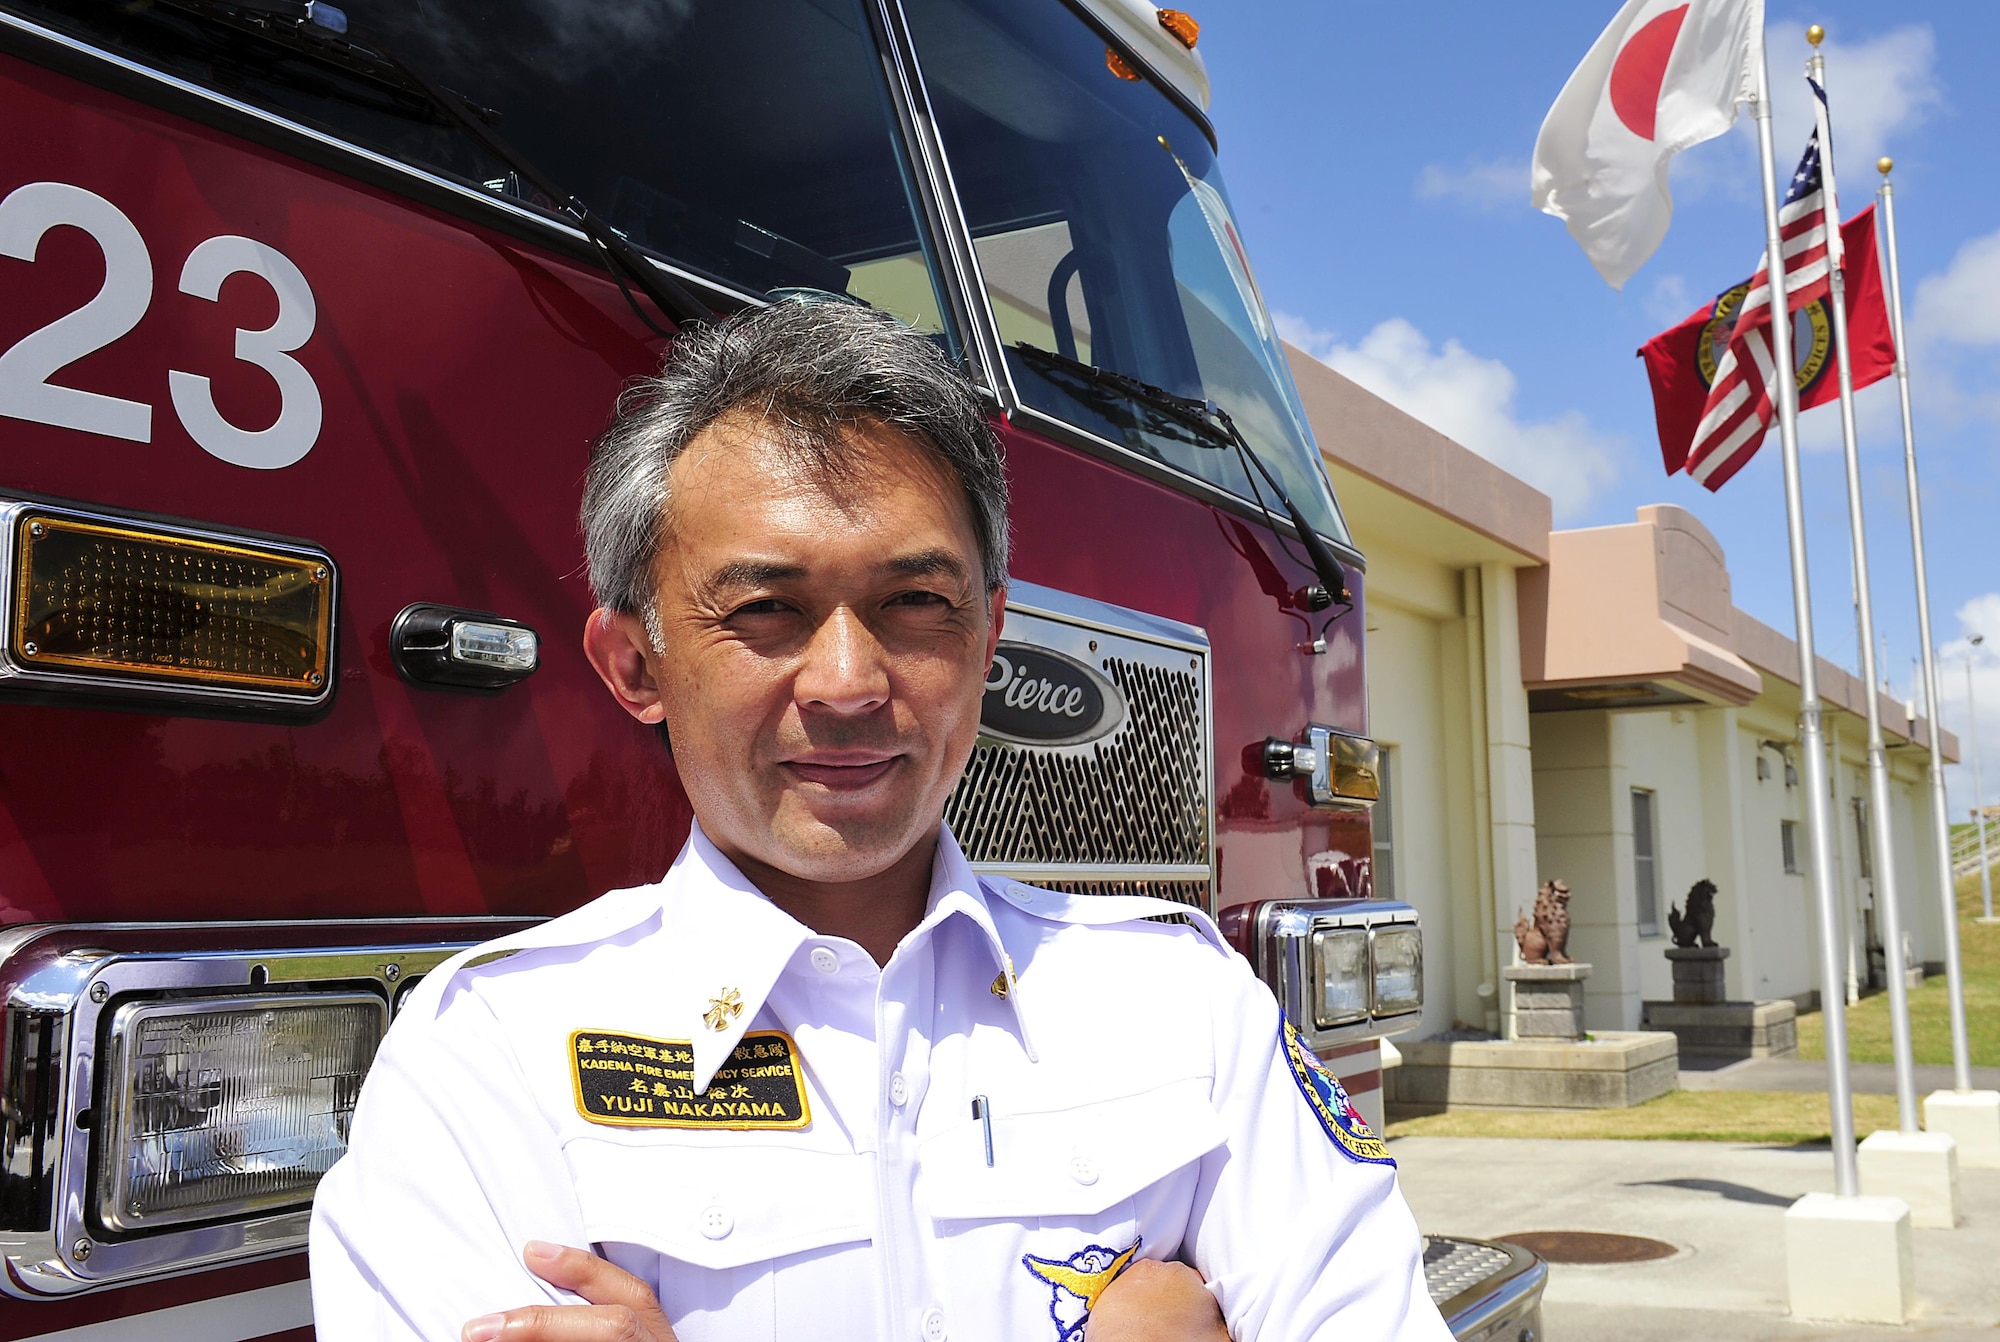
(1978, 790)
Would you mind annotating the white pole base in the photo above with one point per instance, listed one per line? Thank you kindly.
(1849, 1259)
(1921, 1168)
(1972, 1117)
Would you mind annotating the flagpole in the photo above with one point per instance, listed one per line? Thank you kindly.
(1961, 1059)
(1812, 738)
(1888, 909)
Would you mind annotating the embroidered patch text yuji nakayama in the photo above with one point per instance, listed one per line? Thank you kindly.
(630, 1081)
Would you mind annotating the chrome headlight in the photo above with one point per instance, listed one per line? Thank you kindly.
(218, 1111)
(1340, 976)
(1396, 959)
(1343, 970)
(169, 1099)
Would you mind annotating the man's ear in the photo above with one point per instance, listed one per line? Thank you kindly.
(618, 646)
(996, 619)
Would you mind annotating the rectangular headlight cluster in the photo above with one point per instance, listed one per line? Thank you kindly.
(214, 1111)
(1343, 970)
(1363, 973)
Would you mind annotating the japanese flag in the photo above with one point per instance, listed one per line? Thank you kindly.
(1665, 75)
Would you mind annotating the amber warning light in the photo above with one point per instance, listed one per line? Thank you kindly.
(103, 603)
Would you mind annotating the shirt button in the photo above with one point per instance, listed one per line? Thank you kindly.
(716, 1222)
(899, 1091)
(825, 960)
(934, 1329)
(1083, 1169)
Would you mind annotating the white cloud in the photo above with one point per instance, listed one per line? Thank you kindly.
(1876, 89)
(1469, 399)
(1302, 333)
(1491, 186)
(1954, 323)
(1962, 305)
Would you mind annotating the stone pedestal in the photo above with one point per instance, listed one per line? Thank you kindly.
(1548, 1002)
(1921, 1168)
(1972, 1117)
(1850, 1259)
(1614, 1070)
(1698, 974)
(1728, 1029)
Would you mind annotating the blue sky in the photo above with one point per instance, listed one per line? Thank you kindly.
(1377, 156)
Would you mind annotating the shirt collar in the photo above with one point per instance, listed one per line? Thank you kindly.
(957, 891)
(723, 943)
(745, 941)
(740, 942)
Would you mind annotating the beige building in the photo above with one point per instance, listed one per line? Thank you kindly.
(1591, 705)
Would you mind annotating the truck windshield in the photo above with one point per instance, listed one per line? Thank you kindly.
(750, 141)
(1105, 236)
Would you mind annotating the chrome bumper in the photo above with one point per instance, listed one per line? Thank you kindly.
(1487, 1292)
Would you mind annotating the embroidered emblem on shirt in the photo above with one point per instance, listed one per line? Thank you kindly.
(1328, 1098)
(722, 1010)
(629, 1081)
(1004, 981)
(1075, 1283)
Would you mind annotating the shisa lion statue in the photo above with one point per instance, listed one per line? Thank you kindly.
(1698, 926)
(1544, 940)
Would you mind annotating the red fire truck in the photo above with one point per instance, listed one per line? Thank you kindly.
(308, 317)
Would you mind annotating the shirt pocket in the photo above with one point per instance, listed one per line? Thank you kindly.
(721, 1207)
(1072, 1163)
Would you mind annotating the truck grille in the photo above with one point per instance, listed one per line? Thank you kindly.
(1129, 813)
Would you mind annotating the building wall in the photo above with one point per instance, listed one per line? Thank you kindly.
(1461, 813)
(1774, 951)
(1408, 714)
(1716, 820)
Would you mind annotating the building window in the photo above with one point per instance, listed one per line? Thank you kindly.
(1382, 826)
(1788, 842)
(1645, 875)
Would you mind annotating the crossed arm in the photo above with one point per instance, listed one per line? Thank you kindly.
(1149, 1302)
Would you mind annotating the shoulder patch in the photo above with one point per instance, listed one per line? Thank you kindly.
(1328, 1098)
(630, 1081)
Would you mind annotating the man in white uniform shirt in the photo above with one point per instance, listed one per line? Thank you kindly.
(821, 1081)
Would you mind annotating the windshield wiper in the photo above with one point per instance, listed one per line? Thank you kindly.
(329, 33)
(1215, 429)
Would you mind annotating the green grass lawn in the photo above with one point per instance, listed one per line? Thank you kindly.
(1684, 1115)
(1930, 1012)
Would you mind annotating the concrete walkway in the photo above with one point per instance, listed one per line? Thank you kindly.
(1867, 1078)
(1721, 1203)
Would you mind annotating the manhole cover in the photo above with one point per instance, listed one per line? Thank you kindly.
(1590, 1246)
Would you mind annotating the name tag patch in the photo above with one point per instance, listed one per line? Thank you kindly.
(630, 1081)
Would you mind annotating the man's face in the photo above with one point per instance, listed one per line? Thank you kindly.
(823, 646)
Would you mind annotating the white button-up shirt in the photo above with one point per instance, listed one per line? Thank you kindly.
(1130, 1077)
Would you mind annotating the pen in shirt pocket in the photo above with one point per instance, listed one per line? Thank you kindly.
(982, 1109)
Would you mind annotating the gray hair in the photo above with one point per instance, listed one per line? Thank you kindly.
(813, 371)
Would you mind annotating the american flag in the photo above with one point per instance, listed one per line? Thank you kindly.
(1740, 404)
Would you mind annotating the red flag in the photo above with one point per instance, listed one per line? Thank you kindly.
(1682, 363)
